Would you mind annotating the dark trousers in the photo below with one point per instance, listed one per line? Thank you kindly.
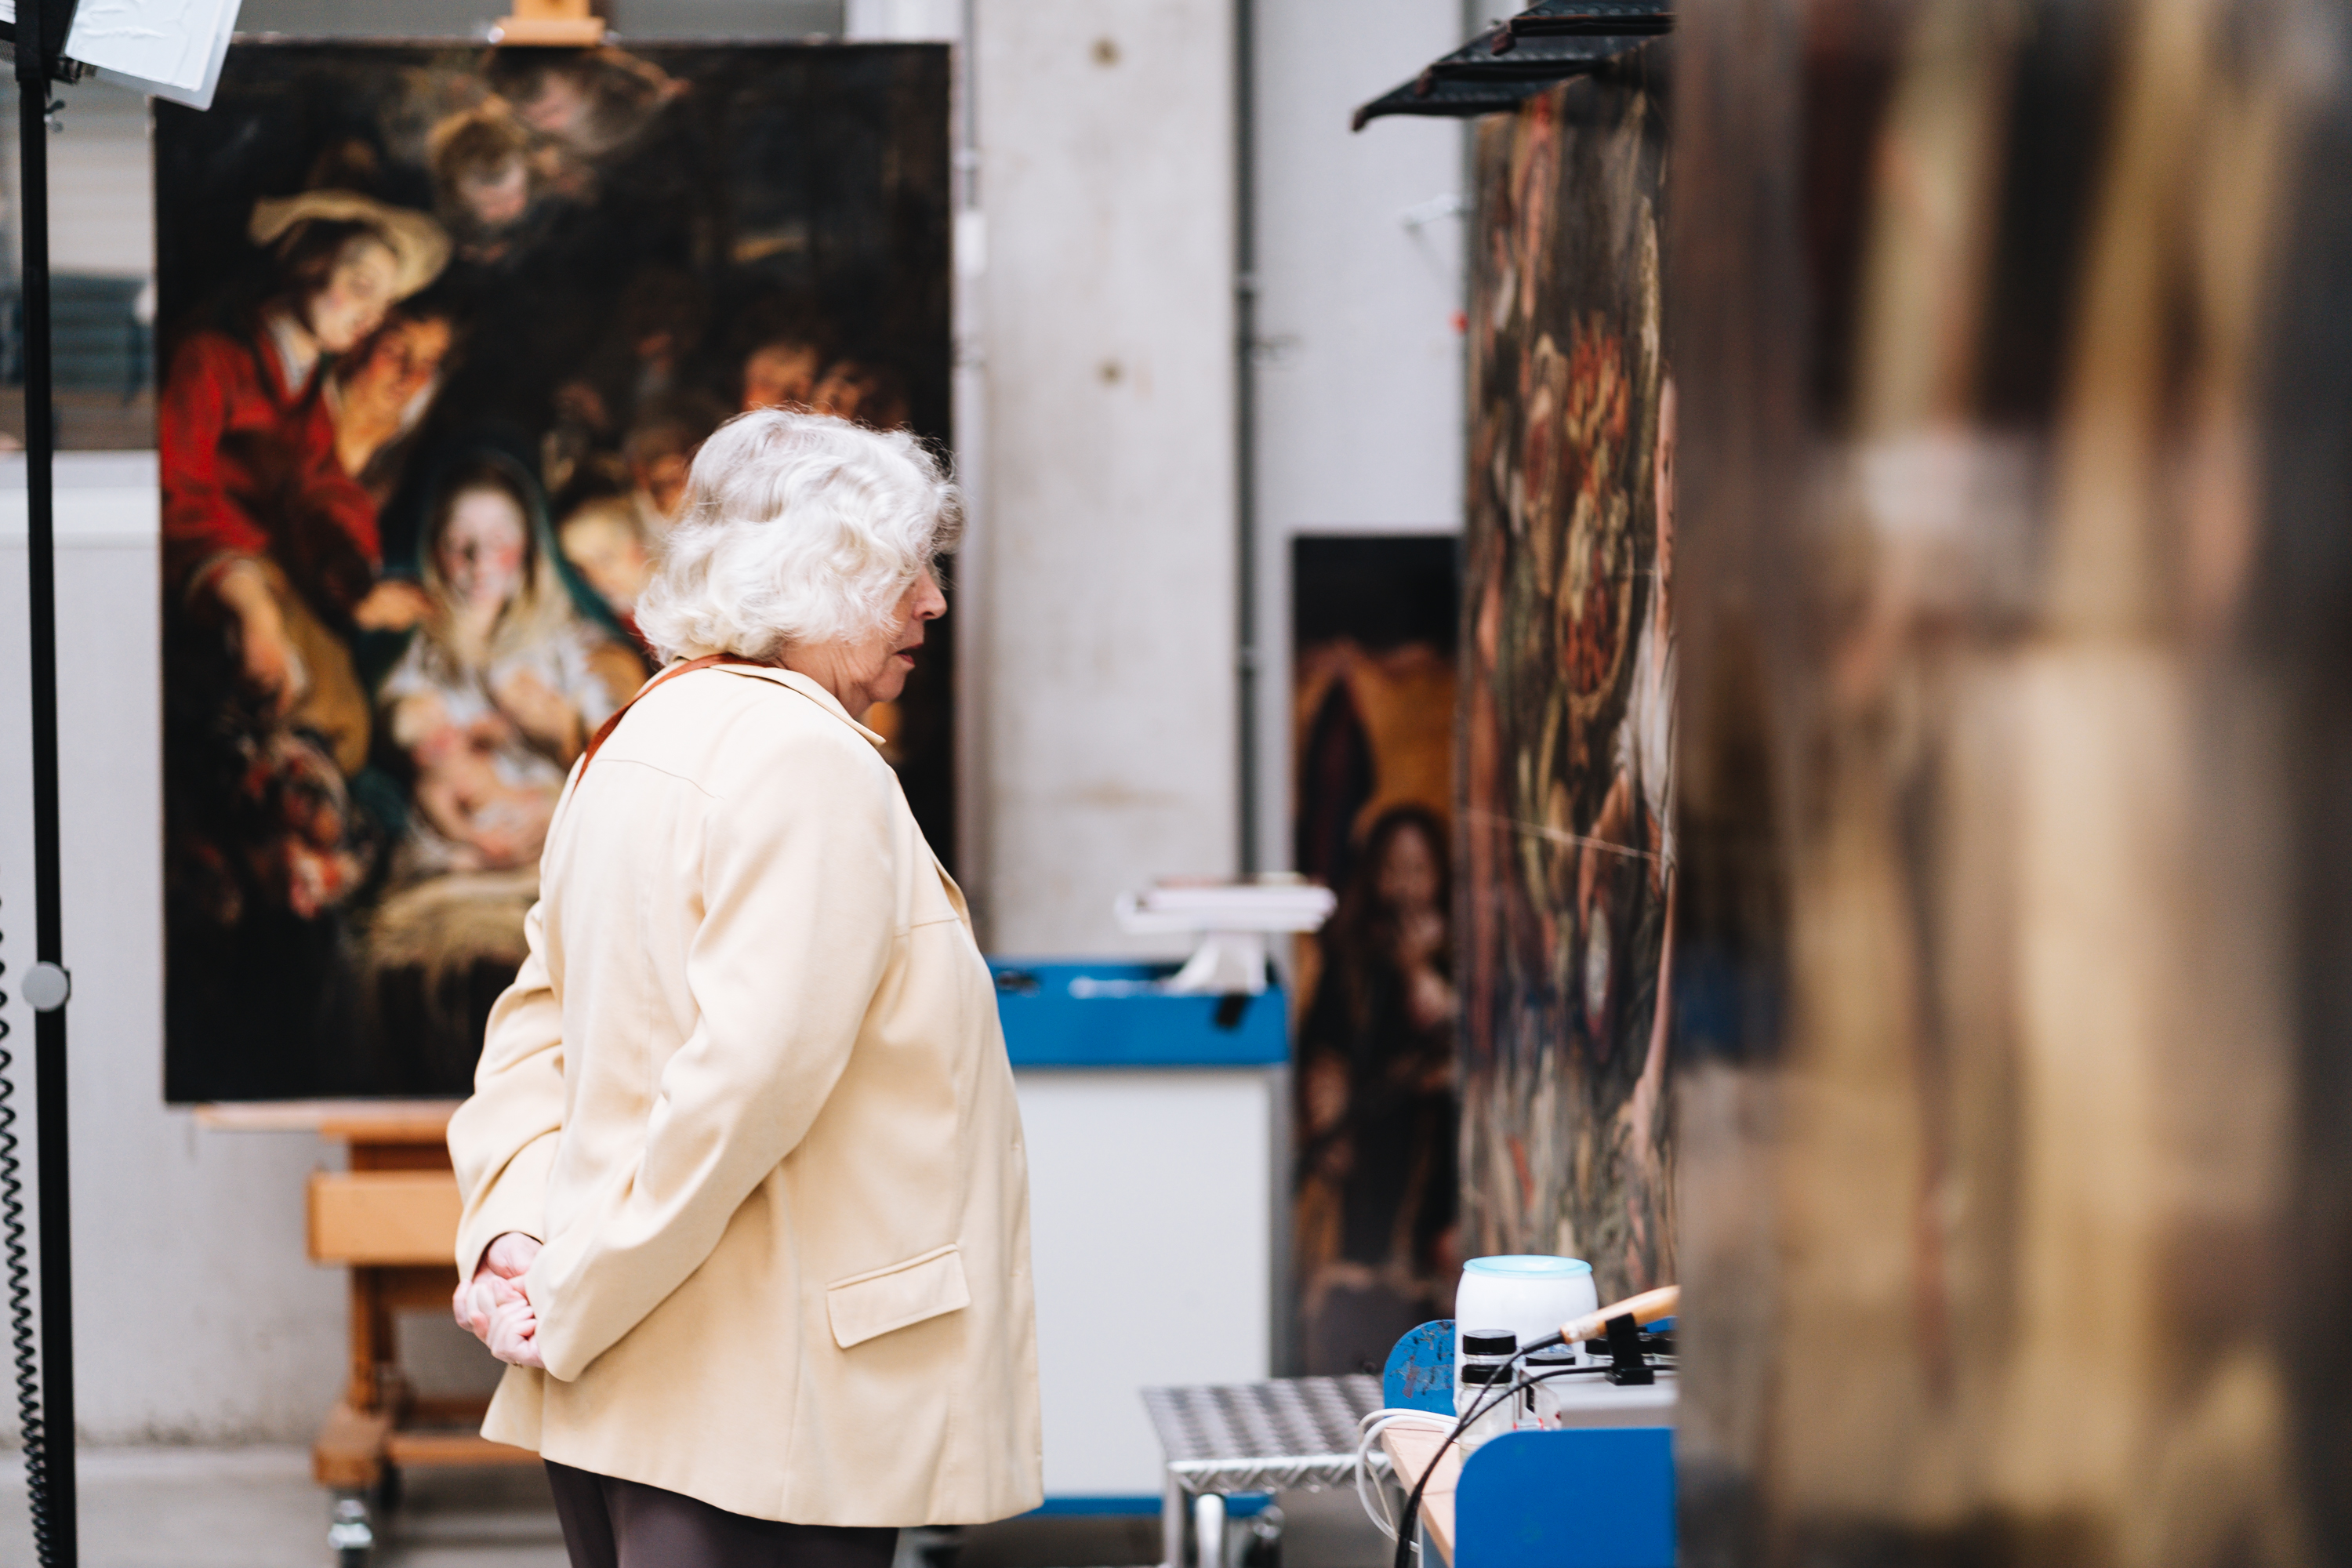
(610, 1523)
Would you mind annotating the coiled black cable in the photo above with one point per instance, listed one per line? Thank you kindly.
(24, 1350)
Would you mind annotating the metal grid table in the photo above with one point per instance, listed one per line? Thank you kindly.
(1289, 1433)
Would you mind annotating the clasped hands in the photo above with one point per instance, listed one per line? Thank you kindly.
(495, 1305)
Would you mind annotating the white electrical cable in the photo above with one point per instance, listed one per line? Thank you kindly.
(1369, 1430)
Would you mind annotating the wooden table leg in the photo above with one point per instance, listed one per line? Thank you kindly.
(349, 1454)
(371, 1340)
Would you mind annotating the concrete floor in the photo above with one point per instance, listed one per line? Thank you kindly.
(257, 1508)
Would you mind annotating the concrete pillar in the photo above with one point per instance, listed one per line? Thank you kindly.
(1102, 584)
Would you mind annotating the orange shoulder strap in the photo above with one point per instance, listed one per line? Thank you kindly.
(605, 730)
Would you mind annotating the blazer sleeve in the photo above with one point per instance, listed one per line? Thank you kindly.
(502, 1140)
(800, 922)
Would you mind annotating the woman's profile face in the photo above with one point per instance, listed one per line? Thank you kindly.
(863, 671)
(481, 550)
(356, 294)
(888, 655)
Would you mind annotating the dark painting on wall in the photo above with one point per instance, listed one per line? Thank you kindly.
(1373, 636)
(1566, 888)
(440, 330)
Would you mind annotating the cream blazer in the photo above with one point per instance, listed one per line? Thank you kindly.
(750, 1091)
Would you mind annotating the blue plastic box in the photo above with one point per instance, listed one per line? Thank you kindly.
(1058, 1013)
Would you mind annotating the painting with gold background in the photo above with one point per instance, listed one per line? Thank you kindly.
(1375, 622)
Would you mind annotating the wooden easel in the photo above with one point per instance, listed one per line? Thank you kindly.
(551, 22)
(391, 1218)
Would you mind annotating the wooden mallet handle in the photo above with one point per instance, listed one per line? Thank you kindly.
(1647, 1308)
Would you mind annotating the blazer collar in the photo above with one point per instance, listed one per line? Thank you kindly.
(794, 680)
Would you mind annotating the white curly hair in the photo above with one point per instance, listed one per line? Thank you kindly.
(797, 528)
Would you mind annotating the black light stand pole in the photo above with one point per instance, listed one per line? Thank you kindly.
(35, 51)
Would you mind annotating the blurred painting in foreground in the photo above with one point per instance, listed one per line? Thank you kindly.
(1373, 632)
(441, 329)
(1568, 688)
(2015, 1100)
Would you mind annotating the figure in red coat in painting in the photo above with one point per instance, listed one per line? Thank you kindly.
(270, 550)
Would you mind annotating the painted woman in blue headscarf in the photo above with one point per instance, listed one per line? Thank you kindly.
(504, 682)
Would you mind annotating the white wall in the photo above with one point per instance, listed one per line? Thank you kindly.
(1359, 369)
(195, 1315)
(903, 21)
(1106, 666)
(102, 203)
(101, 200)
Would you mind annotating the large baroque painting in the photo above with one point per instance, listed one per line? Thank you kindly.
(1567, 832)
(441, 329)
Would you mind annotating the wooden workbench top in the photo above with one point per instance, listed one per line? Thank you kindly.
(1410, 1451)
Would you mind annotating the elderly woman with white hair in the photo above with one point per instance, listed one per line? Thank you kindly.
(746, 1204)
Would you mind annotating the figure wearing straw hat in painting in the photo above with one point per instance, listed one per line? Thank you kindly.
(272, 567)
(263, 531)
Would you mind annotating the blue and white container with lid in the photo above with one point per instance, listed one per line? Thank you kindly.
(1526, 1294)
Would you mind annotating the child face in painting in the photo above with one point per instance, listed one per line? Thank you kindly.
(663, 479)
(608, 552)
(842, 391)
(779, 375)
(497, 196)
(357, 293)
(858, 393)
(481, 550)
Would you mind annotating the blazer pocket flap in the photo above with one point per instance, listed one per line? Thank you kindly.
(867, 1305)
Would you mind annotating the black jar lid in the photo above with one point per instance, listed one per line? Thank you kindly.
(1482, 1372)
(1489, 1342)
